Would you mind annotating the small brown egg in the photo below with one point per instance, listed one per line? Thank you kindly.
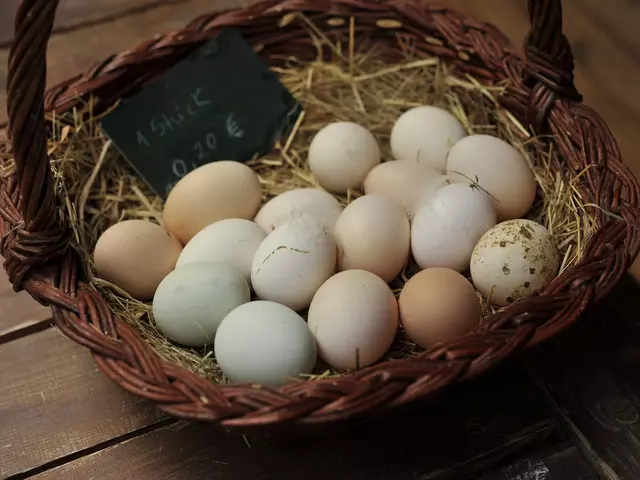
(212, 192)
(438, 305)
(136, 255)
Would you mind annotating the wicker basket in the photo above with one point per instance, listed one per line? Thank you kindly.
(540, 94)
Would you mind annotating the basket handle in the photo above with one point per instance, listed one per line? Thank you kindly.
(549, 69)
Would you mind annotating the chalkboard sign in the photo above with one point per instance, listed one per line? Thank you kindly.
(220, 103)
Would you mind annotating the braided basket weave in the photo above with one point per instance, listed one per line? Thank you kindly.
(540, 93)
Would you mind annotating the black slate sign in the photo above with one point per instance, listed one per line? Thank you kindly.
(220, 103)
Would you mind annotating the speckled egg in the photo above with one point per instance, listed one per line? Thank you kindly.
(513, 260)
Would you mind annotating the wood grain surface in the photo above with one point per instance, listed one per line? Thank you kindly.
(470, 429)
(597, 389)
(54, 402)
(19, 313)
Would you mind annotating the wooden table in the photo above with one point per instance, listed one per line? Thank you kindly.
(567, 411)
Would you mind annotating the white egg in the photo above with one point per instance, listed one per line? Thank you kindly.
(342, 154)
(404, 182)
(233, 241)
(373, 234)
(192, 300)
(354, 318)
(448, 225)
(426, 134)
(499, 169)
(296, 204)
(264, 343)
(513, 260)
(293, 262)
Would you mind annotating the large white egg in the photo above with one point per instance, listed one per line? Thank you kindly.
(233, 241)
(296, 204)
(342, 154)
(499, 169)
(405, 183)
(192, 300)
(265, 343)
(373, 234)
(293, 262)
(513, 260)
(446, 228)
(354, 318)
(426, 134)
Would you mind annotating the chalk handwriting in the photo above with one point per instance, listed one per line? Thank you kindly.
(531, 471)
(233, 129)
(166, 123)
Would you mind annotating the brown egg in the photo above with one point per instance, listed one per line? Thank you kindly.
(213, 192)
(438, 305)
(136, 255)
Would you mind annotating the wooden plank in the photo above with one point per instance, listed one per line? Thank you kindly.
(73, 13)
(563, 462)
(54, 402)
(470, 428)
(19, 313)
(592, 374)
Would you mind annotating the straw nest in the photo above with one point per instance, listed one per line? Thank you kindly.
(346, 82)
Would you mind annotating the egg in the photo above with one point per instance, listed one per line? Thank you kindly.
(426, 134)
(499, 169)
(342, 154)
(293, 262)
(446, 228)
(403, 182)
(438, 305)
(265, 343)
(513, 260)
(297, 203)
(354, 319)
(373, 234)
(136, 255)
(212, 192)
(233, 241)
(192, 301)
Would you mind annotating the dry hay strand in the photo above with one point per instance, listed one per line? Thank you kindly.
(344, 83)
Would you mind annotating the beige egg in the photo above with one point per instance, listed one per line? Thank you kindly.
(499, 169)
(354, 318)
(297, 203)
(212, 192)
(373, 234)
(136, 256)
(426, 134)
(406, 183)
(438, 305)
(342, 154)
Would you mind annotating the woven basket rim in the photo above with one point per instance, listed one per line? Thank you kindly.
(540, 92)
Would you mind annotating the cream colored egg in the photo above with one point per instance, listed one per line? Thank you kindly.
(405, 183)
(233, 241)
(438, 305)
(354, 318)
(447, 226)
(192, 301)
(497, 167)
(513, 260)
(212, 192)
(296, 204)
(426, 134)
(293, 262)
(373, 234)
(136, 255)
(264, 343)
(342, 154)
